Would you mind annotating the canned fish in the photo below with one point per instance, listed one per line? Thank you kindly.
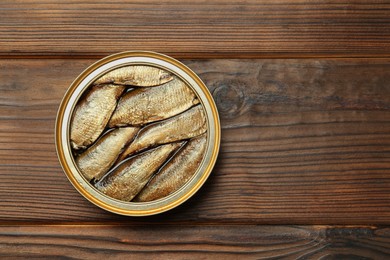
(137, 133)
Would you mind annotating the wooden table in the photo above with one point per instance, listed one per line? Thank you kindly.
(303, 90)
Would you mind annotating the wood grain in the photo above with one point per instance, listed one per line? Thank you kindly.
(196, 28)
(200, 242)
(303, 142)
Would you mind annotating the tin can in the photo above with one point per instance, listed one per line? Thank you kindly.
(80, 85)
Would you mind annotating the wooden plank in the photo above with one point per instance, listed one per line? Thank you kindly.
(303, 142)
(196, 28)
(200, 242)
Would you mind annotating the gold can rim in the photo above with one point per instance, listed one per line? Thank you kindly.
(82, 82)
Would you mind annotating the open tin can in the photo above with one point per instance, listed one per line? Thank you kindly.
(69, 156)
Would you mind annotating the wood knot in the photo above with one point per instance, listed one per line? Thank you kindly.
(230, 98)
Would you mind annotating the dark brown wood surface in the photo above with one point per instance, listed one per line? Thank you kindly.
(196, 242)
(196, 28)
(305, 113)
(303, 142)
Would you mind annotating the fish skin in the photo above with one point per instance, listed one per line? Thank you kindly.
(125, 181)
(92, 114)
(176, 172)
(186, 125)
(136, 75)
(98, 159)
(145, 105)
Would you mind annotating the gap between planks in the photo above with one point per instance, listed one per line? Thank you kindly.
(202, 56)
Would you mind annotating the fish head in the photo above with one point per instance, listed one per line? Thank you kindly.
(165, 76)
